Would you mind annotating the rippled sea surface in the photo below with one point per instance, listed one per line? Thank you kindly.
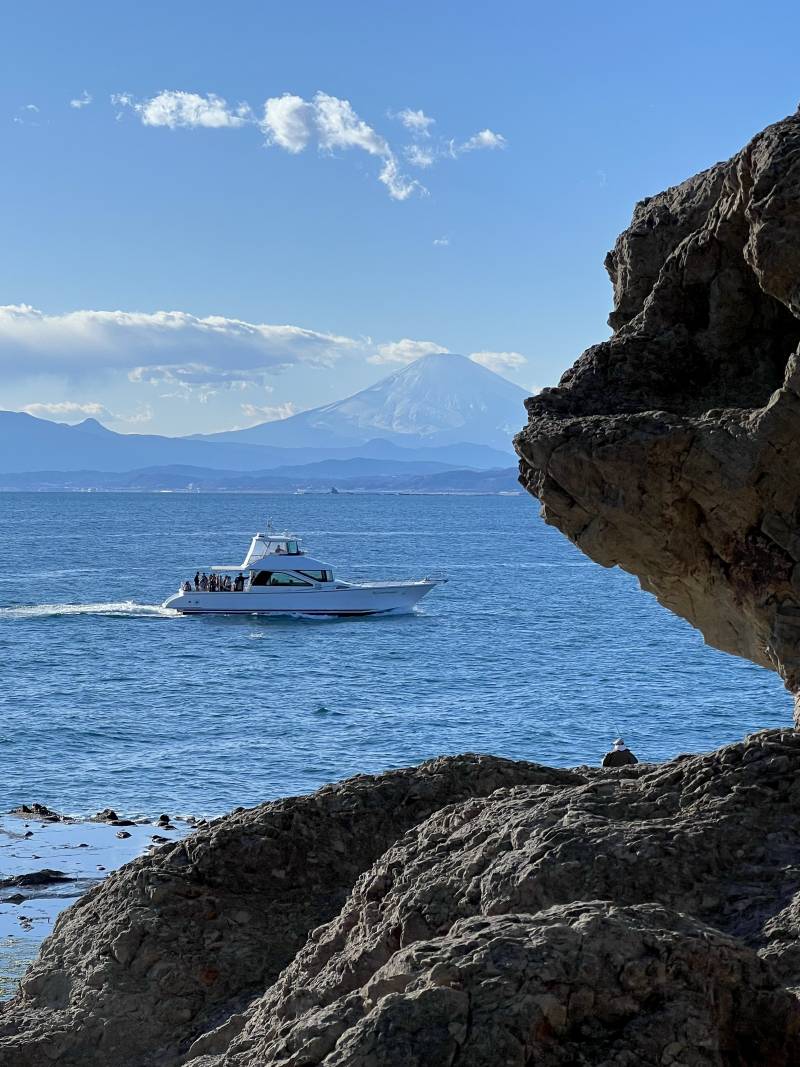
(529, 651)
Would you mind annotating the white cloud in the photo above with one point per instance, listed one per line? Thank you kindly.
(292, 123)
(419, 155)
(416, 121)
(26, 118)
(269, 412)
(71, 411)
(340, 127)
(175, 108)
(405, 351)
(288, 122)
(169, 346)
(81, 101)
(499, 361)
(483, 139)
(400, 187)
(442, 242)
(68, 411)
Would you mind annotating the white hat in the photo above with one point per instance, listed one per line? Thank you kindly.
(619, 743)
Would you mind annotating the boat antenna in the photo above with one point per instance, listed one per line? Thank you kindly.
(270, 527)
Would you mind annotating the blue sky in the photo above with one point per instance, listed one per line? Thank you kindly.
(549, 122)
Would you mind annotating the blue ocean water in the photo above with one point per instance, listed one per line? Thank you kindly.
(530, 651)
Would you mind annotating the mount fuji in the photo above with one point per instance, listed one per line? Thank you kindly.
(442, 399)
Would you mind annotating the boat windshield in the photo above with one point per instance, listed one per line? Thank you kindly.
(285, 548)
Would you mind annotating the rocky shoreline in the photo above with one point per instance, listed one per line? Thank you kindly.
(49, 860)
(471, 910)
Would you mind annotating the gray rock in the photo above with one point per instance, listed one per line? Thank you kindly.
(182, 939)
(474, 911)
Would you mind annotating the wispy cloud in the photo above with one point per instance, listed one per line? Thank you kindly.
(292, 123)
(483, 139)
(326, 122)
(269, 412)
(175, 108)
(71, 411)
(26, 115)
(499, 361)
(441, 242)
(405, 351)
(420, 155)
(416, 121)
(81, 101)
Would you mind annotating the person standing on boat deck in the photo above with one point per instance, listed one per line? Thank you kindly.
(197, 581)
(204, 582)
(619, 756)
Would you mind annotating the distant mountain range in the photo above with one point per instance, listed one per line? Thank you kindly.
(440, 414)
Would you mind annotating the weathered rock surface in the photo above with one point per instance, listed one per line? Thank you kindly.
(175, 942)
(636, 916)
(673, 449)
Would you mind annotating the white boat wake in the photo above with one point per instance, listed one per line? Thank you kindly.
(118, 608)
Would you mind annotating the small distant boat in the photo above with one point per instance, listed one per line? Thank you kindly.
(278, 577)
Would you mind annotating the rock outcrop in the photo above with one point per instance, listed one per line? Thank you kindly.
(673, 449)
(176, 941)
(470, 912)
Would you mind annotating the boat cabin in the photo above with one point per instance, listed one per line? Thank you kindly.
(280, 560)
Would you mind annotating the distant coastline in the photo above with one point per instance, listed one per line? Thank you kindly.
(452, 482)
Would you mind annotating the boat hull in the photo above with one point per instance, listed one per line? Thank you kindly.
(343, 601)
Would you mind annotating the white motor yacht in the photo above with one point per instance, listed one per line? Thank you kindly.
(278, 577)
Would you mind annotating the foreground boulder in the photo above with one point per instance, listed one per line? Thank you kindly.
(173, 942)
(673, 449)
(644, 915)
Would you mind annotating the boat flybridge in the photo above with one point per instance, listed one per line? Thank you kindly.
(278, 577)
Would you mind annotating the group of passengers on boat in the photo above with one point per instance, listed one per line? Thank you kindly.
(215, 583)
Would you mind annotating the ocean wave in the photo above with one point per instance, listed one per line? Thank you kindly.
(119, 608)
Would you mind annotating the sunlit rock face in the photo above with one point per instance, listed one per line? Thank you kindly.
(673, 449)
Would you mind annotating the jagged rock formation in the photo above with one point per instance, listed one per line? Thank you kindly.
(673, 449)
(645, 915)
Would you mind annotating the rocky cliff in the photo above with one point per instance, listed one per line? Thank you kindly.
(470, 912)
(673, 449)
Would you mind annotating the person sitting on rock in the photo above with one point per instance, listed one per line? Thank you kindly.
(619, 756)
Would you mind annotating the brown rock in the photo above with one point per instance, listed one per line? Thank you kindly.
(418, 967)
(672, 450)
